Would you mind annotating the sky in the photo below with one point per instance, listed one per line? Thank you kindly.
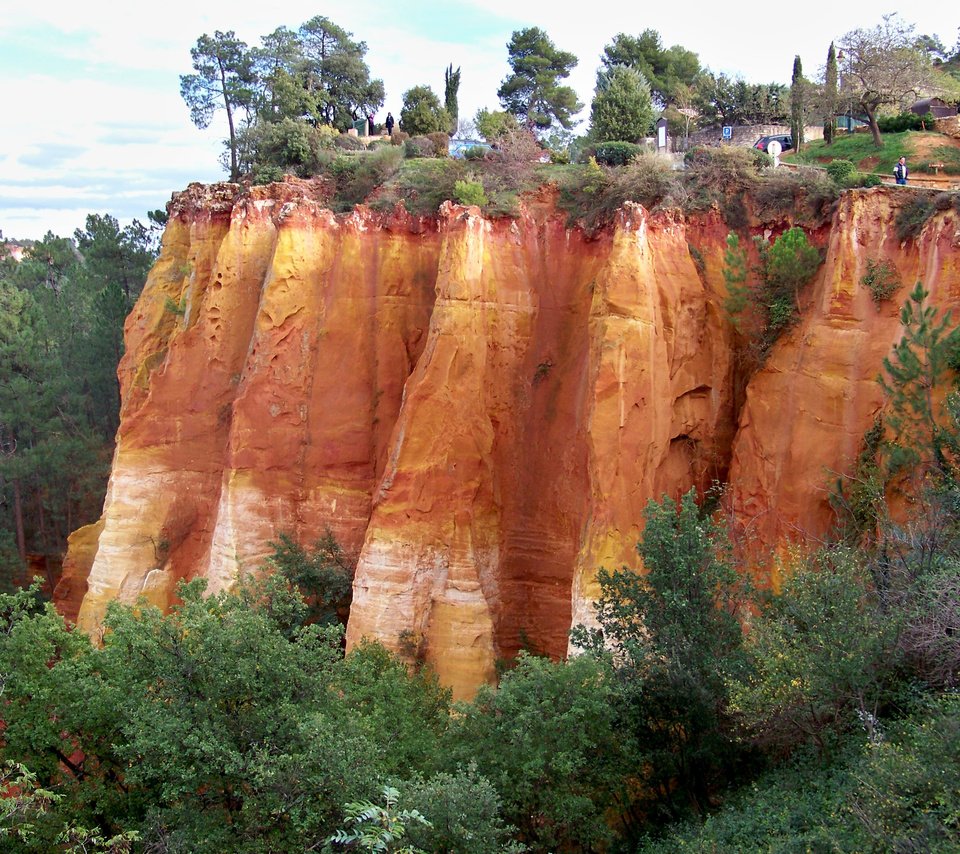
(91, 118)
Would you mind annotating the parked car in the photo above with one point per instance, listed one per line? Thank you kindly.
(459, 147)
(785, 140)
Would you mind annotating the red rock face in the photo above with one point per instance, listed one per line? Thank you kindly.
(480, 410)
(808, 408)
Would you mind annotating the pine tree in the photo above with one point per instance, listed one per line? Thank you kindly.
(920, 434)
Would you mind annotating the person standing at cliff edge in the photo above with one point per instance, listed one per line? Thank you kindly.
(389, 124)
(900, 171)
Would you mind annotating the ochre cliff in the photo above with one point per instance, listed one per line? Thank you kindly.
(478, 409)
(807, 410)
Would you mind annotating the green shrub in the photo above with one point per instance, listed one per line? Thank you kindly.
(470, 193)
(422, 184)
(913, 216)
(785, 267)
(839, 170)
(357, 177)
(761, 160)
(907, 797)
(905, 121)
(464, 810)
(418, 146)
(716, 174)
(557, 778)
(475, 152)
(821, 657)
(592, 195)
(441, 144)
(348, 142)
(616, 153)
(289, 145)
(881, 278)
(266, 174)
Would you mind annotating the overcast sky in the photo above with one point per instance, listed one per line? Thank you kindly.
(92, 120)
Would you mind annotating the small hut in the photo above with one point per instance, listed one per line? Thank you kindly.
(940, 108)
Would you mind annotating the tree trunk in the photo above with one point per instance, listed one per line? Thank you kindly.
(234, 172)
(18, 520)
(874, 127)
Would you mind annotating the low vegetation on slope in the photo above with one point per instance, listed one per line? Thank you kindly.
(920, 148)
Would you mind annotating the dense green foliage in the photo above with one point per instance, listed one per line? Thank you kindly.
(492, 125)
(62, 310)
(763, 300)
(621, 108)
(905, 121)
(676, 640)
(273, 728)
(720, 98)
(313, 77)
(533, 91)
(830, 96)
(669, 72)
(451, 88)
(423, 113)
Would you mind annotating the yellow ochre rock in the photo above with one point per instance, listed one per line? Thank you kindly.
(478, 409)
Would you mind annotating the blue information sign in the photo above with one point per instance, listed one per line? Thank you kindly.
(728, 132)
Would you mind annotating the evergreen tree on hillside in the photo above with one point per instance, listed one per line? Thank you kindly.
(533, 92)
(830, 96)
(668, 71)
(224, 79)
(335, 75)
(451, 86)
(622, 108)
(797, 103)
(421, 112)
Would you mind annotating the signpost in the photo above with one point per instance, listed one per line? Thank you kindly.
(662, 135)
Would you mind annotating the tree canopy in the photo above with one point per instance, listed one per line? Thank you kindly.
(316, 74)
(882, 66)
(667, 70)
(533, 92)
(422, 112)
(224, 78)
(622, 108)
(62, 310)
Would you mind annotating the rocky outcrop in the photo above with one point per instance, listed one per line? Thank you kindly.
(478, 409)
(808, 408)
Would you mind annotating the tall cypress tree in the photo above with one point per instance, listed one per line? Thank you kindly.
(451, 85)
(796, 103)
(830, 97)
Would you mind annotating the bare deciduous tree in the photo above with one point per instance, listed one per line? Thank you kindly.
(882, 67)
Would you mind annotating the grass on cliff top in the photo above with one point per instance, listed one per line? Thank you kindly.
(859, 149)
